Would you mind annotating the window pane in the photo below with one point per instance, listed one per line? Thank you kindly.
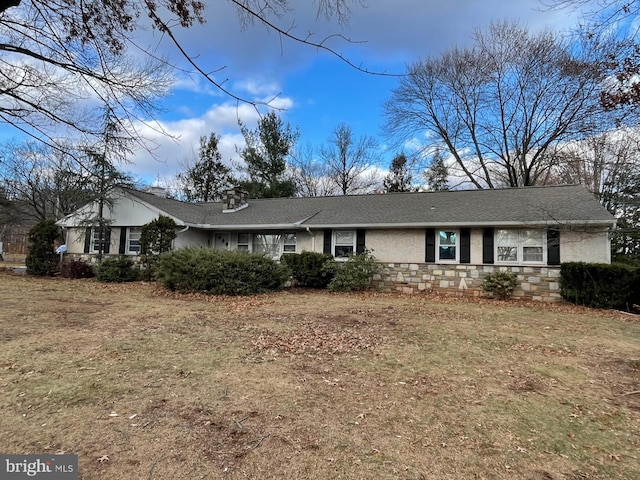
(447, 238)
(243, 239)
(532, 254)
(532, 237)
(507, 237)
(343, 251)
(98, 239)
(134, 239)
(447, 253)
(267, 244)
(344, 238)
(507, 254)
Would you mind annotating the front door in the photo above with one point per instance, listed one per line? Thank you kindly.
(221, 241)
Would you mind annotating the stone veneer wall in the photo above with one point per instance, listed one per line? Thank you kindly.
(535, 283)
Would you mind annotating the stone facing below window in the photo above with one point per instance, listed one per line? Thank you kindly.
(534, 283)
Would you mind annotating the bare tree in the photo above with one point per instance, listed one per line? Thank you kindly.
(310, 174)
(608, 166)
(351, 162)
(59, 57)
(502, 107)
(617, 17)
(50, 182)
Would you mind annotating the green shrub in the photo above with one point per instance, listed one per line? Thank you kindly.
(310, 269)
(41, 258)
(156, 238)
(600, 285)
(356, 273)
(220, 272)
(117, 270)
(500, 284)
(76, 269)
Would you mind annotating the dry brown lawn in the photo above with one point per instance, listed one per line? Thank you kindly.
(143, 384)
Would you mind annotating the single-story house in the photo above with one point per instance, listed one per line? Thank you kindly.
(445, 240)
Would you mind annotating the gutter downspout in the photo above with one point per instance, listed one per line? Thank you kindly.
(313, 239)
(179, 231)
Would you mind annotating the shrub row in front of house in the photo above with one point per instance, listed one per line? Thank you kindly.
(240, 273)
(600, 285)
(220, 272)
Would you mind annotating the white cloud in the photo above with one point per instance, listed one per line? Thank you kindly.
(169, 151)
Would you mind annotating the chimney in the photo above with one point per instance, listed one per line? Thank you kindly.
(233, 200)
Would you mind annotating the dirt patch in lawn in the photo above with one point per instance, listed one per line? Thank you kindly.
(144, 383)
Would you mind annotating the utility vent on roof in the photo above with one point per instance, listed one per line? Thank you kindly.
(233, 200)
(157, 191)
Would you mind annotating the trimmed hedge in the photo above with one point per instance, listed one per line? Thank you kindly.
(310, 269)
(600, 285)
(220, 272)
(117, 270)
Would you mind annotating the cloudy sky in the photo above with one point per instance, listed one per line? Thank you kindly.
(317, 91)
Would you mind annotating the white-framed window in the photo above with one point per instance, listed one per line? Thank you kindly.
(344, 243)
(269, 244)
(133, 240)
(521, 246)
(99, 237)
(273, 245)
(244, 240)
(447, 247)
(289, 243)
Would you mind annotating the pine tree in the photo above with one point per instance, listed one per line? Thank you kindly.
(265, 156)
(437, 175)
(208, 178)
(399, 178)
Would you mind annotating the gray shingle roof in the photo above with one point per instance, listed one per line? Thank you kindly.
(571, 204)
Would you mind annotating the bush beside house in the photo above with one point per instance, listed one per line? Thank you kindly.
(220, 272)
(310, 269)
(600, 285)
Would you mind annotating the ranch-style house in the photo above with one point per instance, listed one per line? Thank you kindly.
(443, 241)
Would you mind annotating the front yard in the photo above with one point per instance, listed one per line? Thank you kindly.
(143, 384)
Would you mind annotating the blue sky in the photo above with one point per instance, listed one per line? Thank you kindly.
(317, 91)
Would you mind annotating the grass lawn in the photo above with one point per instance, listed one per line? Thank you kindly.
(145, 384)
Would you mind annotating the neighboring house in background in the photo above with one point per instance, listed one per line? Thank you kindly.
(446, 240)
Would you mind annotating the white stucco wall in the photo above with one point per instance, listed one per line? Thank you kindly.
(406, 246)
(585, 246)
(192, 238)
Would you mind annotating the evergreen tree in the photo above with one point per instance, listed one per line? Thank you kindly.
(41, 259)
(265, 156)
(156, 238)
(399, 178)
(208, 178)
(437, 175)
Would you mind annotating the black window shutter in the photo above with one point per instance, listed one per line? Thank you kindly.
(87, 239)
(360, 240)
(123, 241)
(465, 245)
(326, 245)
(553, 246)
(430, 246)
(107, 240)
(487, 245)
